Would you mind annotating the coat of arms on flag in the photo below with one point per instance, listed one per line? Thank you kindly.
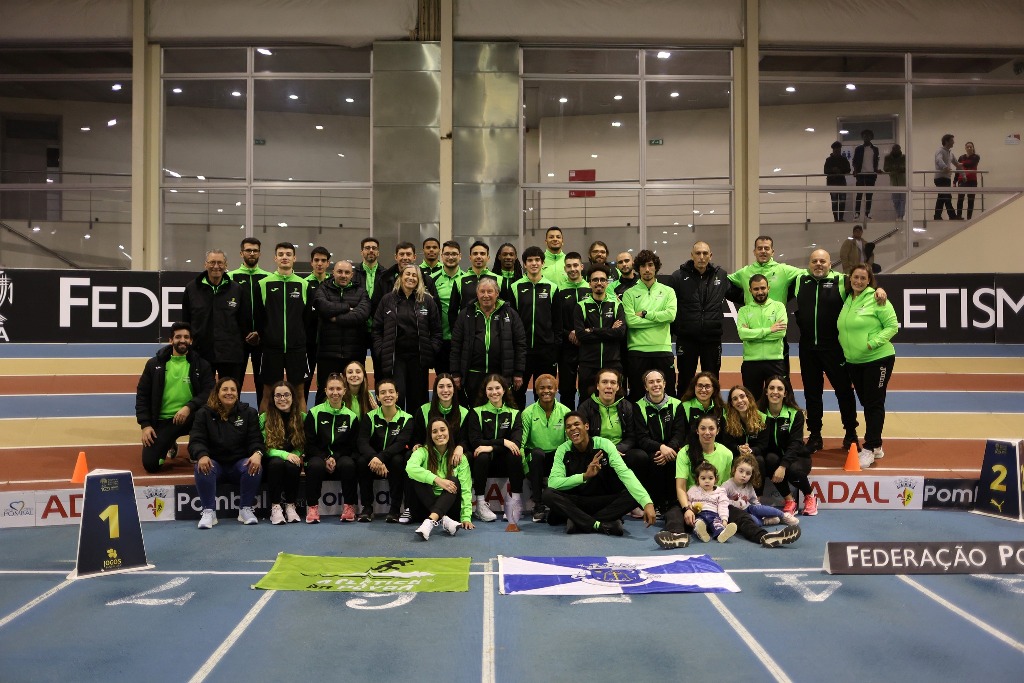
(612, 575)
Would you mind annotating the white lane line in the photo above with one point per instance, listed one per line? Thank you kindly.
(42, 572)
(219, 653)
(29, 605)
(487, 674)
(987, 628)
(748, 639)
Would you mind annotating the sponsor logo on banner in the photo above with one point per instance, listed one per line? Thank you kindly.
(154, 503)
(17, 509)
(6, 295)
(957, 494)
(933, 557)
(869, 493)
(54, 508)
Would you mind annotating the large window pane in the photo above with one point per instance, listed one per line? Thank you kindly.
(581, 126)
(312, 130)
(333, 218)
(66, 228)
(613, 215)
(819, 64)
(196, 221)
(204, 130)
(974, 67)
(688, 127)
(678, 218)
(798, 126)
(64, 131)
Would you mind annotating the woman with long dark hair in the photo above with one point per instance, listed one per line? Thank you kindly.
(744, 423)
(356, 395)
(284, 433)
(495, 434)
(384, 436)
(225, 443)
(781, 453)
(441, 489)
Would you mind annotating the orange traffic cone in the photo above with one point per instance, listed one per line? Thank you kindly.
(81, 469)
(852, 460)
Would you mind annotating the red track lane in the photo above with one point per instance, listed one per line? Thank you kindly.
(121, 384)
(902, 456)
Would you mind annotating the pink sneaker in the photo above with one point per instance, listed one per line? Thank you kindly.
(348, 513)
(789, 507)
(810, 505)
(312, 514)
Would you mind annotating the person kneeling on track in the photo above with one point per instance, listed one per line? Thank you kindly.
(225, 443)
(590, 487)
(441, 488)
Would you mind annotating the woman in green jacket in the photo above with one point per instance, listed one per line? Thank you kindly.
(284, 433)
(865, 331)
(442, 489)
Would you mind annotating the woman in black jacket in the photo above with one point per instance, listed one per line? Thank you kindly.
(407, 336)
(781, 452)
(226, 443)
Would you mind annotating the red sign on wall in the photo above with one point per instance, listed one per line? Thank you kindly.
(582, 175)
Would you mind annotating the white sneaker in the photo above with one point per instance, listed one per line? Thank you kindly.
(701, 529)
(790, 520)
(483, 511)
(513, 509)
(208, 520)
(867, 458)
(772, 521)
(405, 517)
(291, 514)
(247, 516)
(276, 515)
(451, 527)
(425, 528)
(879, 453)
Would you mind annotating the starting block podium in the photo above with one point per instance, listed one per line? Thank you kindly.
(110, 535)
(1001, 481)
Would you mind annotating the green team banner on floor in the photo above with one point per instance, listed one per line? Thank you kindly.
(367, 574)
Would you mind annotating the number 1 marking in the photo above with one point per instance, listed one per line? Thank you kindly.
(110, 516)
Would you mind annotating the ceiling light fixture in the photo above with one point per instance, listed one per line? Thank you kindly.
(563, 100)
(264, 51)
(616, 124)
(115, 87)
(617, 97)
(673, 94)
(111, 123)
(664, 55)
(319, 127)
(86, 129)
(176, 91)
(790, 88)
(349, 100)
(851, 86)
(293, 97)
(236, 93)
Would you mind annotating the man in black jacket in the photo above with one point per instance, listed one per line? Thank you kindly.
(174, 385)
(537, 305)
(343, 309)
(213, 305)
(600, 326)
(488, 337)
(820, 293)
(701, 291)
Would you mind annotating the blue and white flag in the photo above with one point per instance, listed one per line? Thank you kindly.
(612, 575)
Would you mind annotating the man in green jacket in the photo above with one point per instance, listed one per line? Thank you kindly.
(761, 326)
(445, 281)
(650, 308)
(590, 486)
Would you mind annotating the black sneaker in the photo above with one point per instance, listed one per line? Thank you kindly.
(784, 536)
(366, 515)
(814, 443)
(540, 513)
(392, 517)
(612, 528)
(671, 539)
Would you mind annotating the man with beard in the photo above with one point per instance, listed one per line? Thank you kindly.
(761, 325)
(554, 257)
(248, 277)
(627, 276)
(174, 384)
(650, 309)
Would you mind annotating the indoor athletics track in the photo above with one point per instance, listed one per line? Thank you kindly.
(194, 617)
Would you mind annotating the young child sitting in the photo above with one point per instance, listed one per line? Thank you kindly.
(710, 506)
(741, 494)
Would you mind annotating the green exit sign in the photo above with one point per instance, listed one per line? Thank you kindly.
(656, 141)
(259, 141)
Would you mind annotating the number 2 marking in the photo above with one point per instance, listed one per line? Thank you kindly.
(1000, 471)
(111, 517)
